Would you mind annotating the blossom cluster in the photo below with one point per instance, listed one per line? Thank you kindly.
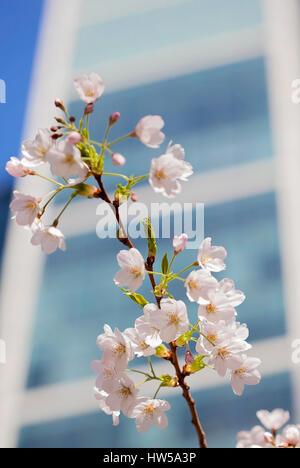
(73, 158)
(115, 390)
(220, 343)
(69, 159)
(268, 436)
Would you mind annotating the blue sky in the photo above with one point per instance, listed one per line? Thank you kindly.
(19, 23)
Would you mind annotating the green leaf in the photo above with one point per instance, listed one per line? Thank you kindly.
(198, 364)
(165, 264)
(137, 298)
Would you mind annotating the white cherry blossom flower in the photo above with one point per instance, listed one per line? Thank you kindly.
(171, 319)
(218, 308)
(89, 87)
(166, 172)
(26, 207)
(35, 151)
(107, 375)
(48, 237)
(176, 150)
(211, 257)
(146, 329)
(198, 284)
(124, 397)
(226, 355)
(252, 439)
(16, 168)
(141, 348)
(65, 160)
(101, 396)
(149, 412)
(239, 331)
(273, 420)
(215, 333)
(148, 130)
(116, 347)
(245, 373)
(132, 273)
(290, 437)
(179, 243)
(227, 287)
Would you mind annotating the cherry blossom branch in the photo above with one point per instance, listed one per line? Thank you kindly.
(174, 359)
(188, 397)
(221, 339)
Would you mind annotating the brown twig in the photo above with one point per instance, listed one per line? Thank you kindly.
(125, 240)
(115, 206)
(149, 267)
(187, 395)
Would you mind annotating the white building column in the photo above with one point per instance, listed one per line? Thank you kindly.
(283, 67)
(23, 264)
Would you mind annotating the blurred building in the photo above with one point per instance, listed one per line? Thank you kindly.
(220, 75)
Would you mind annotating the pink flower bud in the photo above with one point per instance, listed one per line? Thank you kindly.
(59, 103)
(74, 138)
(189, 358)
(118, 159)
(89, 108)
(179, 243)
(114, 118)
(56, 136)
(60, 121)
(134, 197)
(269, 439)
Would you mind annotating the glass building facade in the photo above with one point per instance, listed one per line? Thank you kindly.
(218, 109)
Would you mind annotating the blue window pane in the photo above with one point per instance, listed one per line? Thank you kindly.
(219, 115)
(248, 229)
(77, 298)
(148, 31)
(222, 414)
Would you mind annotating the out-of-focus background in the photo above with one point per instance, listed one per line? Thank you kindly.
(220, 74)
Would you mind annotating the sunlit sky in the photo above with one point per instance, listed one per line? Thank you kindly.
(19, 22)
